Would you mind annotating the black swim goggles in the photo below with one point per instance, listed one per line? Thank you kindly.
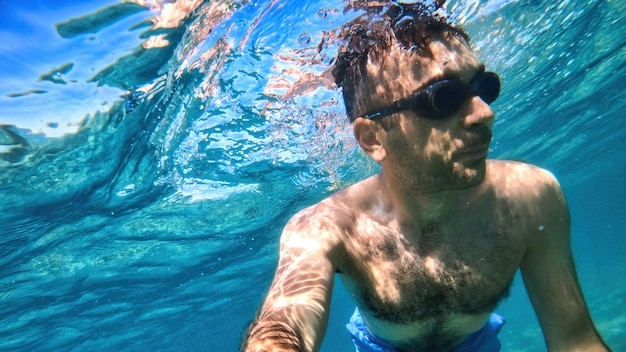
(440, 99)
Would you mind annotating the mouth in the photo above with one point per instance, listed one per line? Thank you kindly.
(473, 154)
(476, 143)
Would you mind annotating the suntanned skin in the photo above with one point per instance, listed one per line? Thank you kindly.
(428, 247)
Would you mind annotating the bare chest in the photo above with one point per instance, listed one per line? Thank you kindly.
(442, 272)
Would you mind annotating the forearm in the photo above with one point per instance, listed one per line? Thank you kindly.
(272, 336)
(589, 341)
(598, 347)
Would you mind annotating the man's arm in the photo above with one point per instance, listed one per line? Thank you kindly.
(550, 277)
(294, 315)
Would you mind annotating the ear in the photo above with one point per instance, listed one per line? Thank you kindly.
(367, 134)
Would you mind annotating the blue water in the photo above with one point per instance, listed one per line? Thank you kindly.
(148, 162)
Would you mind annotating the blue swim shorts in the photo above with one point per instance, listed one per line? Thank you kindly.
(483, 340)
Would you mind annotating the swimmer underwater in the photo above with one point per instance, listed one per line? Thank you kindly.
(428, 247)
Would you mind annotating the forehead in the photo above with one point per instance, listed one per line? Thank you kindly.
(402, 72)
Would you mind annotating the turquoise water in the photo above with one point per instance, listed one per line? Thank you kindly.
(151, 154)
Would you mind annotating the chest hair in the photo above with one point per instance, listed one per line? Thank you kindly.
(432, 276)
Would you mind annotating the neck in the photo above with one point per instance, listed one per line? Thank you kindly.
(419, 205)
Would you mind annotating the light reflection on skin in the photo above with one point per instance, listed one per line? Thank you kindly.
(428, 154)
(303, 283)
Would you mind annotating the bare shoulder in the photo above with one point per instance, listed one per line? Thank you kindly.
(522, 180)
(534, 193)
(520, 171)
(322, 227)
(336, 214)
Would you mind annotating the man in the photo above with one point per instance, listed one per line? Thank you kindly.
(430, 246)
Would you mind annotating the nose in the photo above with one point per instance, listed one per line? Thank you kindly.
(478, 113)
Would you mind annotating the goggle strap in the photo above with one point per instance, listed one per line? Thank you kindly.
(384, 112)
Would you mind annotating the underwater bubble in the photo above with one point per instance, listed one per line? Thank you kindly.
(305, 38)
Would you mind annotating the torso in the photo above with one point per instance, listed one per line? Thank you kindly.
(426, 286)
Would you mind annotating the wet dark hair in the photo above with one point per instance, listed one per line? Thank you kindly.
(371, 35)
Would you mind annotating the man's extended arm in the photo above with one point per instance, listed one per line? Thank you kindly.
(551, 281)
(294, 315)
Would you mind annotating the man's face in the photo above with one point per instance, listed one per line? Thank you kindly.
(432, 154)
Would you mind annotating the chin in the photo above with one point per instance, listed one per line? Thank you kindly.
(471, 176)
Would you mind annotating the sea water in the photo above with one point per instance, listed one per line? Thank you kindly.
(152, 151)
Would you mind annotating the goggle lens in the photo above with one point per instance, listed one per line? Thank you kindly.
(441, 99)
(447, 96)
